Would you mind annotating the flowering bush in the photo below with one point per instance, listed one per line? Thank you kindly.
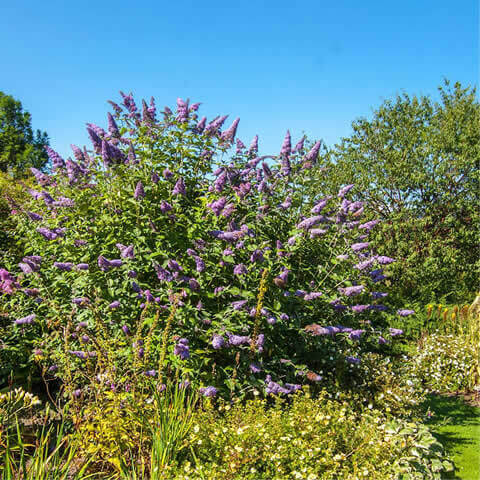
(446, 363)
(310, 439)
(154, 252)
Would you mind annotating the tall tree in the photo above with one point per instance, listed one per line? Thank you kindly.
(416, 162)
(20, 147)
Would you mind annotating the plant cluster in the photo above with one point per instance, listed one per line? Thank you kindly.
(311, 439)
(446, 363)
(172, 247)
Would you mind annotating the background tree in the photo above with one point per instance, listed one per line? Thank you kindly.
(20, 147)
(416, 164)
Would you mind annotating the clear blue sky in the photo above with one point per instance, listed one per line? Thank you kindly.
(309, 65)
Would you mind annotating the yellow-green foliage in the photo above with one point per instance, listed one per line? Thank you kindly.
(449, 359)
(310, 439)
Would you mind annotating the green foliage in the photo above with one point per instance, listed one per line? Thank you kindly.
(50, 457)
(91, 209)
(446, 363)
(416, 164)
(309, 439)
(20, 147)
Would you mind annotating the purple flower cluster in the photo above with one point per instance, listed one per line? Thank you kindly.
(182, 349)
(273, 388)
(106, 264)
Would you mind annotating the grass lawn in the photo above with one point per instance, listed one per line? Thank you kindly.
(456, 424)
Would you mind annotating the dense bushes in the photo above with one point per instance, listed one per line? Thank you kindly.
(311, 439)
(154, 253)
(415, 162)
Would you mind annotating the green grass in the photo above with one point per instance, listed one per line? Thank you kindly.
(457, 426)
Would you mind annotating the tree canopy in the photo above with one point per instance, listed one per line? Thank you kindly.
(20, 146)
(416, 164)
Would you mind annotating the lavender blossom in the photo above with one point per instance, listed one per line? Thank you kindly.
(310, 222)
(182, 349)
(26, 320)
(316, 232)
(139, 191)
(218, 342)
(351, 291)
(229, 134)
(253, 149)
(365, 264)
(254, 368)
(239, 304)
(383, 260)
(34, 216)
(65, 266)
(357, 247)
(236, 340)
(395, 332)
(208, 391)
(167, 173)
(353, 360)
(182, 110)
(368, 225)
(287, 145)
(286, 204)
(114, 304)
(343, 191)
(81, 266)
(81, 301)
(405, 313)
(312, 296)
(240, 269)
(179, 188)
(319, 206)
(311, 156)
(299, 145)
(360, 308)
(57, 160)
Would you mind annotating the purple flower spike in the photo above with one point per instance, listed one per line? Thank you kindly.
(151, 373)
(182, 349)
(381, 341)
(125, 330)
(139, 191)
(182, 110)
(357, 247)
(179, 188)
(287, 145)
(311, 156)
(360, 308)
(253, 149)
(343, 191)
(208, 391)
(57, 161)
(112, 126)
(356, 334)
(254, 368)
(299, 145)
(351, 291)
(405, 313)
(353, 360)
(64, 266)
(395, 332)
(382, 260)
(114, 304)
(26, 320)
(229, 134)
(240, 269)
(218, 342)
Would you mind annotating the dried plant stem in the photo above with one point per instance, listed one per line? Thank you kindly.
(258, 310)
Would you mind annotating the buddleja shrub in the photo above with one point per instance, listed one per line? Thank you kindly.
(166, 248)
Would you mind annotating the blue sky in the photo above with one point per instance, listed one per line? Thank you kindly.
(310, 66)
